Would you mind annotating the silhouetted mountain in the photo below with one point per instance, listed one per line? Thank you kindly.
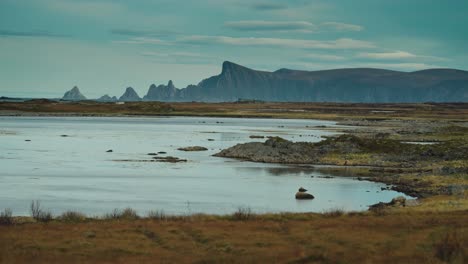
(161, 92)
(107, 98)
(130, 96)
(339, 85)
(74, 95)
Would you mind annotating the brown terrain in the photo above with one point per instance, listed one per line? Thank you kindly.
(328, 111)
(431, 229)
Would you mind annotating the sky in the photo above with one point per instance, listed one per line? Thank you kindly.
(104, 46)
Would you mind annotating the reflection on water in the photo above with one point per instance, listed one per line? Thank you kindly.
(77, 173)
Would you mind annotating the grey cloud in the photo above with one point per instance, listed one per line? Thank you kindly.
(142, 40)
(298, 26)
(13, 33)
(343, 43)
(142, 33)
(397, 55)
(341, 26)
(260, 25)
(322, 57)
(268, 6)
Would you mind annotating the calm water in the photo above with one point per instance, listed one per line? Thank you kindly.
(76, 172)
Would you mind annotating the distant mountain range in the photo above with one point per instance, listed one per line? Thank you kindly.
(340, 85)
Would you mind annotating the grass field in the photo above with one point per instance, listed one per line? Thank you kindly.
(402, 236)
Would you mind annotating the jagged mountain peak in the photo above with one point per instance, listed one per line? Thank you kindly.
(130, 90)
(74, 95)
(130, 95)
(232, 67)
(170, 84)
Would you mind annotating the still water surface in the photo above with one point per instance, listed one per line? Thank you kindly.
(75, 172)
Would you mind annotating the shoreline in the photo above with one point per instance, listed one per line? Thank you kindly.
(352, 127)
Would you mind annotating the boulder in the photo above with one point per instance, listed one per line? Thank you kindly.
(304, 196)
(398, 201)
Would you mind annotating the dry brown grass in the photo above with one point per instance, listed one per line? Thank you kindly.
(403, 237)
(327, 111)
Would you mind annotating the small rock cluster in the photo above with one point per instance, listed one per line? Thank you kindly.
(194, 148)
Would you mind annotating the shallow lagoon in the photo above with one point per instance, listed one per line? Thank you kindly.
(74, 172)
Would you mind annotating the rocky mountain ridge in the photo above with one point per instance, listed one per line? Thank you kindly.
(360, 85)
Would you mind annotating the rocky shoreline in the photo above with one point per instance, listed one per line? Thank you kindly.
(273, 150)
(414, 169)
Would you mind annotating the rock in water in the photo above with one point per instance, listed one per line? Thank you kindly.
(304, 196)
(74, 95)
(194, 148)
(130, 96)
(169, 159)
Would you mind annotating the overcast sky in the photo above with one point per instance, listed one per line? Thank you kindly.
(103, 46)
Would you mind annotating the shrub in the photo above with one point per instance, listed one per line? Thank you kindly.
(39, 214)
(127, 213)
(243, 213)
(72, 216)
(115, 214)
(6, 217)
(157, 215)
